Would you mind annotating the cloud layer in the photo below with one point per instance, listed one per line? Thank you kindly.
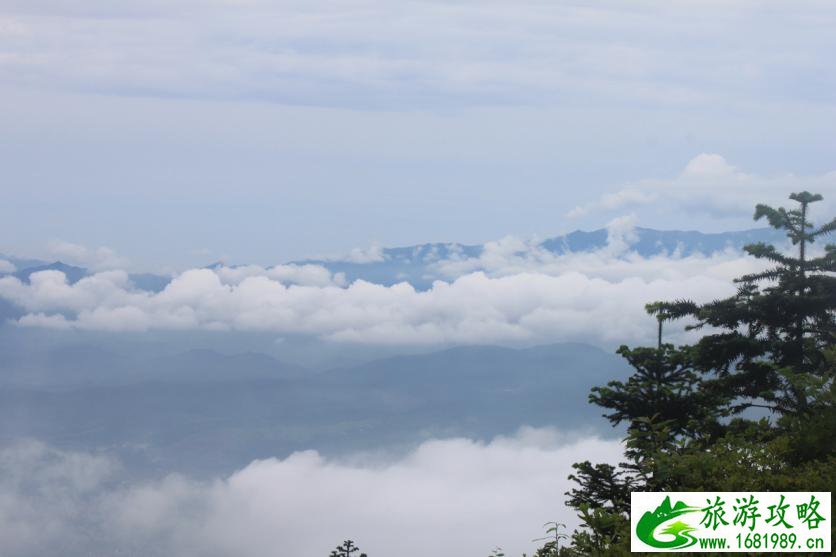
(710, 184)
(98, 259)
(447, 497)
(427, 53)
(514, 292)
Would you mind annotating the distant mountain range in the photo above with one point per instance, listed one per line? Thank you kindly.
(201, 410)
(164, 407)
(144, 281)
(414, 264)
(81, 365)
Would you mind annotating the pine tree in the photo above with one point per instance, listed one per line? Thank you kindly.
(665, 386)
(347, 549)
(771, 345)
(769, 350)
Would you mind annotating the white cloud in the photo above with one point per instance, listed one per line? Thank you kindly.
(710, 184)
(310, 275)
(515, 292)
(427, 53)
(7, 266)
(621, 234)
(98, 259)
(43, 494)
(614, 263)
(372, 254)
(708, 165)
(447, 497)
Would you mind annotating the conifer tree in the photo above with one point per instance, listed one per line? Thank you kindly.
(664, 386)
(771, 346)
(771, 335)
(347, 549)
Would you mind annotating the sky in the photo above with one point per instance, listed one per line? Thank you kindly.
(162, 135)
(181, 132)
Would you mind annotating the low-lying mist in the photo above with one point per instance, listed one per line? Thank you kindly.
(447, 497)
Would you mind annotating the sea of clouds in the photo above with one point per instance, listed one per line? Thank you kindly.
(515, 292)
(446, 497)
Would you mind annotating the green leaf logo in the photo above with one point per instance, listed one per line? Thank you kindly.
(681, 532)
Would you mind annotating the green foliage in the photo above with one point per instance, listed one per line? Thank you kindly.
(603, 533)
(769, 346)
(601, 486)
(665, 385)
(553, 538)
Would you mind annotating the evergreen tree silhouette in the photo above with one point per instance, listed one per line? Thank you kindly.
(771, 345)
(347, 549)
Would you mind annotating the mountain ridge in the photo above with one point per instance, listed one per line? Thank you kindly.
(473, 391)
(413, 263)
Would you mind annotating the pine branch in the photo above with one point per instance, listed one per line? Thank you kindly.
(777, 218)
(825, 228)
(772, 274)
(764, 251)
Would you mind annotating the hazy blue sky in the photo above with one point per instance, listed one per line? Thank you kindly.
(179, 131)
